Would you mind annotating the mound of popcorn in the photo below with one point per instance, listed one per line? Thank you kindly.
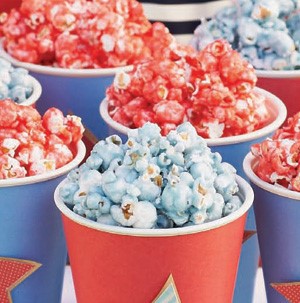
(33, 145)
(152, 181)
(265, 32)
(82, 34)
(15, 83)
(214, 89)
(279, 157)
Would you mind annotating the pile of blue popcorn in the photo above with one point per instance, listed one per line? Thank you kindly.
(265, 32)
(15, 83)
(152, 181)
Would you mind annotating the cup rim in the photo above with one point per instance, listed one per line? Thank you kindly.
(280, 116)
(81, 151)
(36, 92)
(63, 72)
(249, 162)
(246, 193)
(288, 74)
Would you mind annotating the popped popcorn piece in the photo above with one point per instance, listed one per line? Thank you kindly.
(15, 83)
(141, 184)
(279, 157)
(265, 32)
(32, 145)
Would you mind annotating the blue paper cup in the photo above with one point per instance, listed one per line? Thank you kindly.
(76, 91)
(233, 150)
(277, 213)
(31, 229)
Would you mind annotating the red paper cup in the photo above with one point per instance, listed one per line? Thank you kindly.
(283, 84)
(233, 150)
(118, 264)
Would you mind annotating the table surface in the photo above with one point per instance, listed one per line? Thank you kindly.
(69, 294)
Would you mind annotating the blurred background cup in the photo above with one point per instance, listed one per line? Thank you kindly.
(284, 84)
(131, 265)
(233, 150)
(277, 212)
(31, 229)
(76, 91)
(6, 6)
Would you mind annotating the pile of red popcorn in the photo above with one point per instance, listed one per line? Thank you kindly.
(31, 144)
(82, 34)
(213, 89)
(278, 158)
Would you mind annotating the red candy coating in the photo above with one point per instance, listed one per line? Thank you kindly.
(31, 144)
(82, 33)
(213, 89)
(279, 157)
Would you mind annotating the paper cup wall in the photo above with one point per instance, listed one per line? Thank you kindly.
(128, 265)
(77, 91)
(31, 231)
(233, 150)
(283, 84)
(277, 212)
(36, 93)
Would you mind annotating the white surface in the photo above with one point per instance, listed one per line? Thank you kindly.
(69, 294)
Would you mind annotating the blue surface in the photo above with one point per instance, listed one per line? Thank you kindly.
(31, 229)
(81, 96)
(244, 289)
(278, 226)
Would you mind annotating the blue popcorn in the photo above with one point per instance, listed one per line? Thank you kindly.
(202, 199)
(4, 91)
(244, 7)
(67, 191)
(153, 181)
(248, 31)
(115, 190)
(136, 214)
(286, 7)
(233, 204)
(264, 32)
(4, 64)
(18, 93)
(215, 212)
(177, 197)
(15, 83)
(107, 219)
(265, 10)
(148, 190)
(198, 217)
(80, 197)
(94, 161)
(89, 179)
(163, 221)
(5, 76)
(108, 150)
(225, 185)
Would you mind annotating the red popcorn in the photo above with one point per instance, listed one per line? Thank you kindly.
(83, 34)
(31, 144)
(213, 89)
(279, 157)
